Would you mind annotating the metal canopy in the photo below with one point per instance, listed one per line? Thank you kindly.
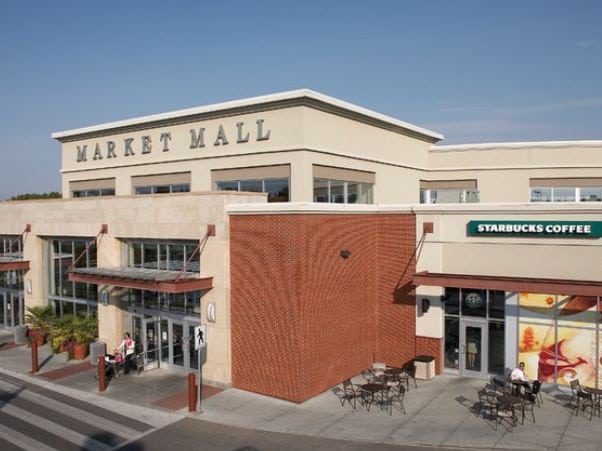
(142, 279)
(9, 263)
(521, 284)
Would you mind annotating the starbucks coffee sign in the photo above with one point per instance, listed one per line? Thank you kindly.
(199, 138)
(564, 229)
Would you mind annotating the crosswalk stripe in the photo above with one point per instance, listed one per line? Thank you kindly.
(21, 440)
(53, 428)
(70, 411)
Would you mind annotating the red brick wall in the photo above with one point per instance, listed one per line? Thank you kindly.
(431, 346)
(303, 318)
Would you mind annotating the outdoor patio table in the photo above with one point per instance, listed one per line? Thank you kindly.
(517, 386)
(597, 394)
(371, 388)
(394, 371)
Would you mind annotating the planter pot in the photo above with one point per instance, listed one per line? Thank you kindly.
(64, 347)
(80, 351)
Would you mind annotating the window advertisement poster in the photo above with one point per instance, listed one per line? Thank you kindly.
(558, 338)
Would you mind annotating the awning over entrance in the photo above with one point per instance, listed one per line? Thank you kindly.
(13, 264)
(142, 279)
(520, 284)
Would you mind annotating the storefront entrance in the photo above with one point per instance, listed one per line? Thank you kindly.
(473, 358)
(11, 309)
(474, 332)
(165, 341)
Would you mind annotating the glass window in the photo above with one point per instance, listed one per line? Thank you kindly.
(474, 302)
(150, 256)
(254, 186)
(452, 301)
(564, 195)
(162, 255)
(161, 189)
(452, 343)
(541, 194)
(352, 192)
(182, 188)
(135, 255)
(590, 195)
(277, 190)
(497, 302)
(365, 194)
(337, 192)
(176, 257)
(496, 348)
(227, 186)
(321, 190)
(143, 190)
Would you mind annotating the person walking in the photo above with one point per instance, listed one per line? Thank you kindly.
(126, 348)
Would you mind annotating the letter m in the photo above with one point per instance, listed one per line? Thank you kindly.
(81, 153)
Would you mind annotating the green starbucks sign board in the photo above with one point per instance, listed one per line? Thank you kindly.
(549, 229)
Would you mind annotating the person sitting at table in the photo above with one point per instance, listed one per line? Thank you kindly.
(518, 374)
(519, 378)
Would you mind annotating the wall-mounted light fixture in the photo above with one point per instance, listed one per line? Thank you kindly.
(345, 253)
(28, 286)
(104, 296)
(211, 312)
(426, 305)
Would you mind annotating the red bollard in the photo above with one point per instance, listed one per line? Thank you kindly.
(34, 355)
(191, 392)
(102, 382)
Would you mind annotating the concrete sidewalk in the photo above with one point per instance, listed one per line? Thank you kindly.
(440, 413)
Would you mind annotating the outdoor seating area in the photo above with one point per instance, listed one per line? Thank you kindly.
(507, 401)
(585, 399)
(381, 386)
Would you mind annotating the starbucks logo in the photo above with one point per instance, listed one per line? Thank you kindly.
(473, 300)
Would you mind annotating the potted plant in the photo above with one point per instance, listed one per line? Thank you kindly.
(84, 332)
(39, 319)
(61, 333)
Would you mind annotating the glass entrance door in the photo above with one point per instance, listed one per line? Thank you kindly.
(16, 309)
(166, 342)
(177, 345)
(473, 346)
(151, 343)
(3, 302)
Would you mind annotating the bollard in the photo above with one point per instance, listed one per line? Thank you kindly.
(102, 382)
(191, 392)
(34, 355)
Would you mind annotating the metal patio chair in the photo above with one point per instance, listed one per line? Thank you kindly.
(487, 402)
(396, 396)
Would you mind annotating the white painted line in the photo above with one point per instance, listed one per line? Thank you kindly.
(21, 440)
(70, 411)
(54, 428)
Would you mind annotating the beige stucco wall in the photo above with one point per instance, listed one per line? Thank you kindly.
(503, 171)
(299, 136)
(176, 216)
(450, 250)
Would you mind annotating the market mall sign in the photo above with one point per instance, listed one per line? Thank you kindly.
(199, 138)
(564, 229)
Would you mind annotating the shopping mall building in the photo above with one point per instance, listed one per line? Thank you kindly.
(314, 237)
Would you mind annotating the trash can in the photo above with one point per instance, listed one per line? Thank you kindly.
(425, 366)
(97, 348)
(20, 335)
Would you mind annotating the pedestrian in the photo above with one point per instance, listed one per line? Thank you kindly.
(126, 348)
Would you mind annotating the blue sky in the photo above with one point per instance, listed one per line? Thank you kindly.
(475, 71)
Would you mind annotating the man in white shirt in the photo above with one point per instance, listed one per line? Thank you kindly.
(518, 374)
